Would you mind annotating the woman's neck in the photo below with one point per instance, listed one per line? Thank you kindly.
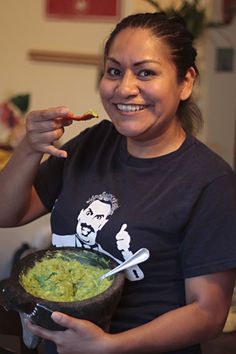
(164, 144)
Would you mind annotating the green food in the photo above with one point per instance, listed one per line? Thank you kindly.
(64, 279)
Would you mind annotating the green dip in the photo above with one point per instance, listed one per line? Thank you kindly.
(63, 279)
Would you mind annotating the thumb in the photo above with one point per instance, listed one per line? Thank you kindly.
(123, 227)
(64, 320)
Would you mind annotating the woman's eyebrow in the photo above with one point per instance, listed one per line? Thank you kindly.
(147, 61)
(113, 60)
(141, 62)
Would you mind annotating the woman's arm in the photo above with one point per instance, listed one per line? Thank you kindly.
(208, 301)
(19, 202)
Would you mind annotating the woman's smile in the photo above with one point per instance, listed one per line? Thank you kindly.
(129, 108)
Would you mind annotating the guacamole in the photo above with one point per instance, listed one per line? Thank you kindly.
(63, 279)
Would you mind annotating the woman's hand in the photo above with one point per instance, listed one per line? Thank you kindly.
(80, 337)
(45, 127)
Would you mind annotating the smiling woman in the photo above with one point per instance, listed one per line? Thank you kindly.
(139, 180)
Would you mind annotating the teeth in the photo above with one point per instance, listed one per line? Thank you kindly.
(129, 107)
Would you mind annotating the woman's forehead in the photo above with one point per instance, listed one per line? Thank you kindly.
(139, 42)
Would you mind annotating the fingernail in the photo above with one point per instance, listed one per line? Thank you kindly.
(62, 154)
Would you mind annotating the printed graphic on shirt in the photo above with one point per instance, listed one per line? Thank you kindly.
(90, 221)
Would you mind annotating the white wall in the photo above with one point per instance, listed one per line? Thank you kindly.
(23, 26)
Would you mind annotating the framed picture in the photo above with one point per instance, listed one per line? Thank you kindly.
(83, 9)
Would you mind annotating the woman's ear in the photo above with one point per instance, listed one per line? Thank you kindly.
(188, 83)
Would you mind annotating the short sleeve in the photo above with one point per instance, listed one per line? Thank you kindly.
(48, 181)
(209, 244)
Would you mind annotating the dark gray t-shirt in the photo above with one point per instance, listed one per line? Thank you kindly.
(181, 206)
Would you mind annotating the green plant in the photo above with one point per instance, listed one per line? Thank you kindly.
(193, 13)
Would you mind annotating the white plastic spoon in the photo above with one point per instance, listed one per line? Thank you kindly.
(138, 257)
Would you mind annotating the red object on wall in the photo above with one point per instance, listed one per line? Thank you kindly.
(229, 10)
(87, 9)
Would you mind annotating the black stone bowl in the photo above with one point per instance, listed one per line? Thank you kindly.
(98, 309)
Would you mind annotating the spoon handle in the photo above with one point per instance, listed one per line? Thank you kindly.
(138, 257)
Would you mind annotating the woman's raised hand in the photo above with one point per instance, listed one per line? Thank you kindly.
(45, 127)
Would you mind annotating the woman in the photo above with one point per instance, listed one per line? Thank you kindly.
(167, 192)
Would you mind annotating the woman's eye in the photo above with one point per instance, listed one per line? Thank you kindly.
(146, 73)
(113, 72)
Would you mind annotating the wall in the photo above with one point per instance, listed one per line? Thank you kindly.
(24, 27)
(220, 93)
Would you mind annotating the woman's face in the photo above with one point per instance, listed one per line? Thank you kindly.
(139, 89)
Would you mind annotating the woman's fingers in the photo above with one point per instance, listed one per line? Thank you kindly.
(40, 331)
(47, 114)
(52, 150)
(46, 120)
(68, 321)
(45, 127)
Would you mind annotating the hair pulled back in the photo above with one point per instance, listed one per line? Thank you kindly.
(173, 31)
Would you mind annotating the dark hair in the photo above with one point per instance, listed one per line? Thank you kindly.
(105, 198)
(180, 41)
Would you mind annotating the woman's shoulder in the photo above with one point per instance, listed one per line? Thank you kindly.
(205, 158)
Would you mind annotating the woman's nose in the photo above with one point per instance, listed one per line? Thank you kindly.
(128, 85)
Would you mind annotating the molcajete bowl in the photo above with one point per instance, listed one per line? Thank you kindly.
(97, 309)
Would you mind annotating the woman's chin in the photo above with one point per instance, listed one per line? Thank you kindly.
(128, 133)
(128, 130)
